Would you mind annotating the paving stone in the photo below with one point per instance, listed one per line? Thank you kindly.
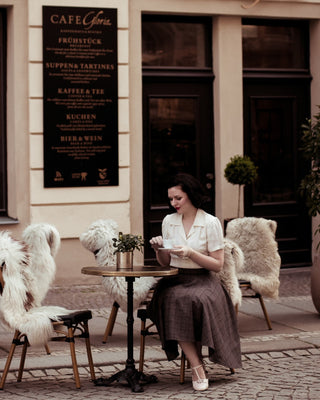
(314, 351)
(37, 373)
(303, 352)
(51, 372)
(253, 356)
(276, 354)
(65, 371)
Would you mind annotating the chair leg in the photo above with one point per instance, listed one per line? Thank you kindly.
(142, 344)
(47, 348)
(111, 322)
(70, 339)
(23, 358)
(182, 367)
(9, 359)
(89, 353)
(266, 316)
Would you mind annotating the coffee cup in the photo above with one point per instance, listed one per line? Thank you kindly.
(167, 243)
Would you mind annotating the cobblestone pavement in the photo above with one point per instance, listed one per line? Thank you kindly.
(269, 375)
(288, 375)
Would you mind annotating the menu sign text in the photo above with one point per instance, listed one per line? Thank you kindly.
(80, 97)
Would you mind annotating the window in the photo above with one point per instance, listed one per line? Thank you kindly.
(176, 42)
(3, 86)
(275, 45)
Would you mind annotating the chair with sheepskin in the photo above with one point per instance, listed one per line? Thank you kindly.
(233, 260)
(43, 243)
(21, 310)
(260, 272)
(98, 239)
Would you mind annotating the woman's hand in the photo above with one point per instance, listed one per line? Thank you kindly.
(163, 257)
(213, 261)
(181, 251)
(156, 242)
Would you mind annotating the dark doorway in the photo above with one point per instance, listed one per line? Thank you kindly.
(177, 111)
(276, 103)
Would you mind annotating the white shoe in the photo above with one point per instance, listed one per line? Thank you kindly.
(200, 383)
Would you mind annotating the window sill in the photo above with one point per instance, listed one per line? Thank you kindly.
(8, 221)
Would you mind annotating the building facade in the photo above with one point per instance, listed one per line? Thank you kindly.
(198, 82)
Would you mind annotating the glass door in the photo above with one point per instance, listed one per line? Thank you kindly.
(178, 137)
(177, 111)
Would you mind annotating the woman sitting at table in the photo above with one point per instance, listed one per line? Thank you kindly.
(193, 309)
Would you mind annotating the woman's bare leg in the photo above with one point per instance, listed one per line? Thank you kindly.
(190, 350)
(199, 350)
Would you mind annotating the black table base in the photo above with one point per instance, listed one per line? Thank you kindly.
(134, 378)
(130, 374)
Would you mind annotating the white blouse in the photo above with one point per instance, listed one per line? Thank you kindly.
(205, 236)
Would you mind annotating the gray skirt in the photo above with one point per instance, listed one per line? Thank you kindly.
(193, 306)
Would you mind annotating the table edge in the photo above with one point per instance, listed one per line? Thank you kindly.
(100, 271)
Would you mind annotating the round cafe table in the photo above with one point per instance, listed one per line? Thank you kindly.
(129, 373)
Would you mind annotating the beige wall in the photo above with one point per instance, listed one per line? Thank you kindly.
(228, 113)
(17, 115)
(71, 210)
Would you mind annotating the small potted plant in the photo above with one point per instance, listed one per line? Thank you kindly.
(310, 189)
(125, 244)
(241, 171)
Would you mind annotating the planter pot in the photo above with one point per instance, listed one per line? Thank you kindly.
(125, 260)
(315, 282)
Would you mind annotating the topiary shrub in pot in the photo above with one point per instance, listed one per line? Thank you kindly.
(240, 171)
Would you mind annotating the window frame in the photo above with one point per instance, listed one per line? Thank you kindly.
(169, 70)
(3, 114)
(280, 22)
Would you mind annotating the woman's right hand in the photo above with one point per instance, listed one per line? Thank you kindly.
(156, 242)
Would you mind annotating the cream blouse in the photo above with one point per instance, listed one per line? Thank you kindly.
(204, 236)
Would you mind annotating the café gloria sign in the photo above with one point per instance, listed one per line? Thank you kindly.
(80, 97)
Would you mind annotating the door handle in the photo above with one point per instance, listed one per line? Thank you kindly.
(209, 175)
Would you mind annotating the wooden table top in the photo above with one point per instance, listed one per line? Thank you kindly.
(137, 271)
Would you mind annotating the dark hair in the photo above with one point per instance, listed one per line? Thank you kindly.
(190, 185)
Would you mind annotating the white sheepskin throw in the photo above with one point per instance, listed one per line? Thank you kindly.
(233, 260)
(98, 239)
(17, 307)
(43, 241)
(256, 238)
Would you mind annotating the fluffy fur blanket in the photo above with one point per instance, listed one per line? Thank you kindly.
(43, 242)
(233, 261)
(256, 238)
(98, 239)
(17, 305)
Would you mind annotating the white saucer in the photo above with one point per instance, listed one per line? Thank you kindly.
(165, 248)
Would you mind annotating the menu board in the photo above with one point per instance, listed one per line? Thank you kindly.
(80, 97)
